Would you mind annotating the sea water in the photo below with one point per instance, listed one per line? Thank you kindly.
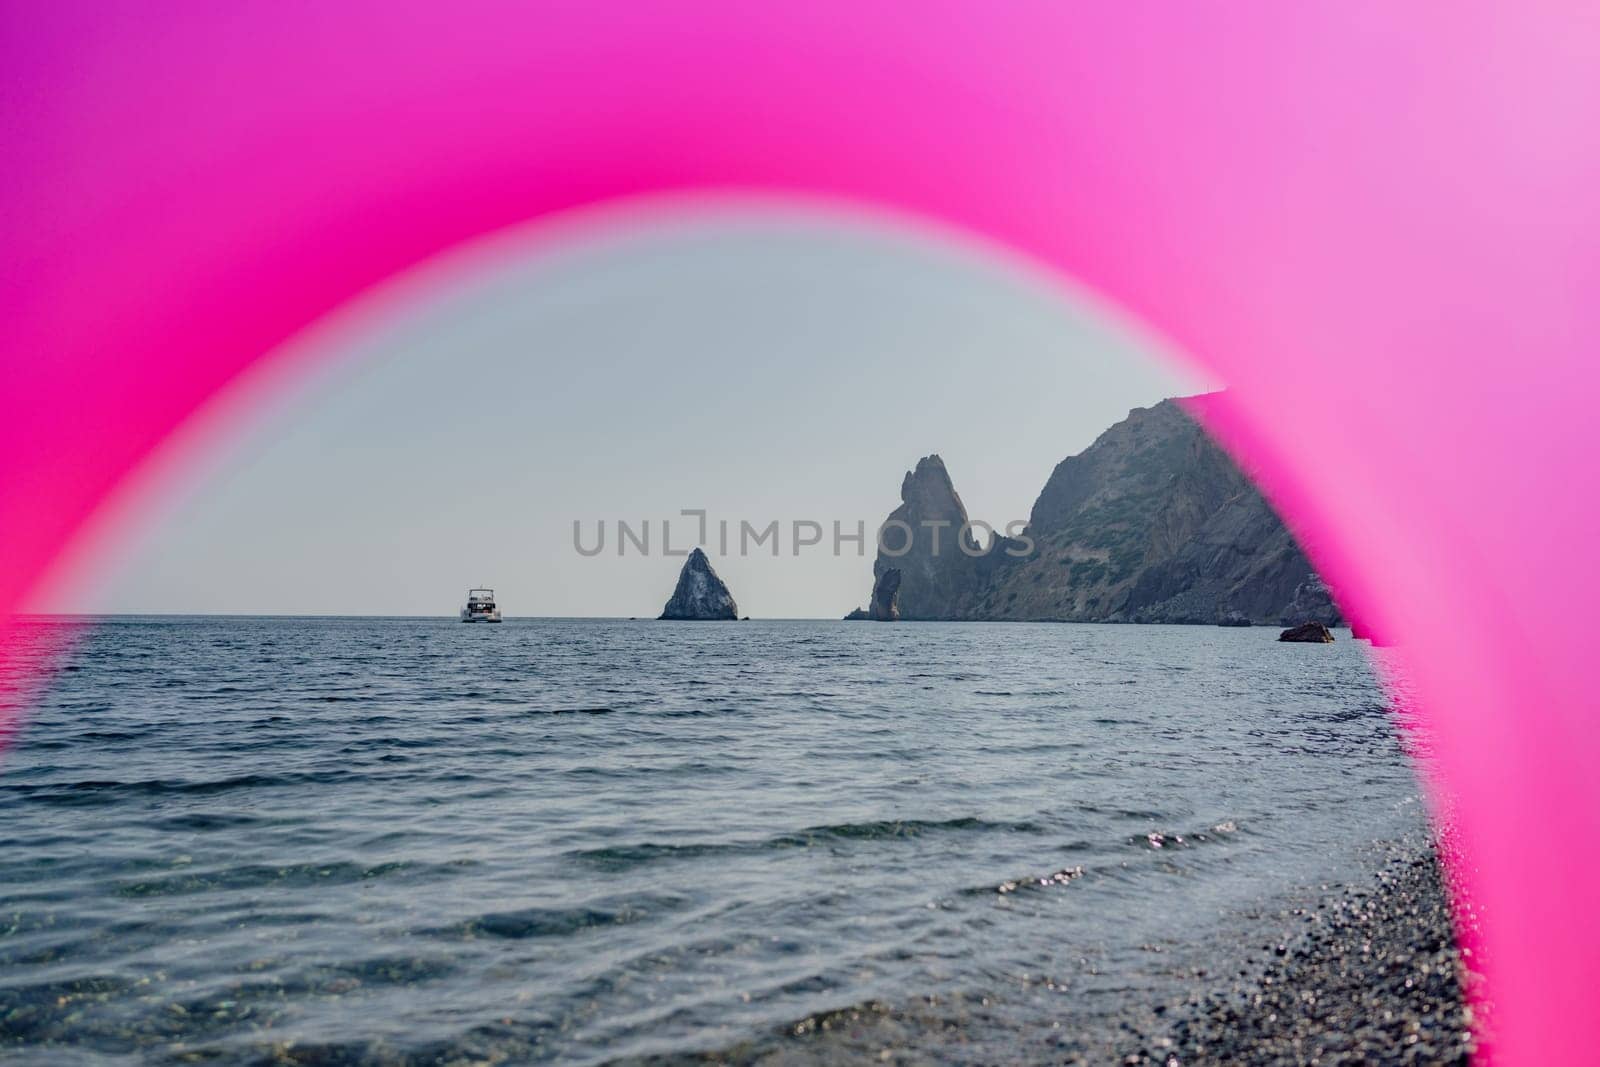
(321, 840)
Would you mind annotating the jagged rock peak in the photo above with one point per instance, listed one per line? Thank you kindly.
(924, 539)
(929, 475)
(700, 594)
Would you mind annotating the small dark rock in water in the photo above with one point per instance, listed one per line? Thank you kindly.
(1234, 618)
(1310, 632)
(886, 596)
(1359, 629)
(858, 615)
(1312, 602)
(700, 593)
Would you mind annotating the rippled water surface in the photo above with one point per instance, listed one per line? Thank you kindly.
(392, 840)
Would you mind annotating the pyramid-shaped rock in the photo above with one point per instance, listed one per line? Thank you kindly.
(700, 593)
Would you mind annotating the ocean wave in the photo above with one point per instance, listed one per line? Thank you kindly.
(530, 923)
(258, 875)
(622, 856)
(100, 792)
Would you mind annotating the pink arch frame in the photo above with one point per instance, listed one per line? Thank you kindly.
(1377, 222)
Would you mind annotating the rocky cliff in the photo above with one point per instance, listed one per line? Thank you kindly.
(921, 539)
(1151, 523)
(886, 597)
(927, 539)
(700, 593)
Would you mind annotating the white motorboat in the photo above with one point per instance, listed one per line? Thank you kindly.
(480, 606)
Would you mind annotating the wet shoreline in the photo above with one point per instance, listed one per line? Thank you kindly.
(1363, 972)
(1369, 975)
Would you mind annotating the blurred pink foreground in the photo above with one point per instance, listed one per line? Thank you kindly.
(1378, 223)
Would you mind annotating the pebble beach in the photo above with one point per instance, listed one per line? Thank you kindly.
(1368, 975)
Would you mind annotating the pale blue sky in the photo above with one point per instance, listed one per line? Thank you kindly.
(759, 365)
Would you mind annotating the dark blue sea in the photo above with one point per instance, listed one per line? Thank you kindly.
(408, 841)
